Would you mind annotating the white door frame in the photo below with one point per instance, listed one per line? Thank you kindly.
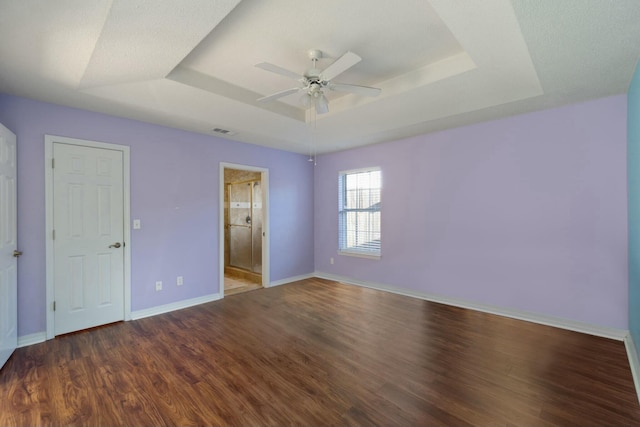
(49, 140)
(265, 225)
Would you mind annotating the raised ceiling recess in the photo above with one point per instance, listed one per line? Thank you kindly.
(438, 63)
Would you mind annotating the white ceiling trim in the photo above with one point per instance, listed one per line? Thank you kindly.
(503, 73)
(211, 84)
(440, 63)
(422, 77)
(145, 39)
(189, 107)
(500, 72)
(56, 45)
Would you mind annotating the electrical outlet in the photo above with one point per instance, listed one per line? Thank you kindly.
(136, 224)
(180, 281)
(158, 286)
(331, 260)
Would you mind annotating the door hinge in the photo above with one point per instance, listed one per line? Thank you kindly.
(53, 163)
(54, 306)
(53, 234)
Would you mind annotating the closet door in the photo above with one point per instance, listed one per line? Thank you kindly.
(8, 246)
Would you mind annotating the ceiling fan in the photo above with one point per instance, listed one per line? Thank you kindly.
(315, 81)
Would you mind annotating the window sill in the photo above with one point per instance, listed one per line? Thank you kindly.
(359, 254)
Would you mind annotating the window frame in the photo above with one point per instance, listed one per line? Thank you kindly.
(342, 194)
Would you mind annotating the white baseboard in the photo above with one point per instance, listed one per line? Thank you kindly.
(632, 354)
(31, 339)
(39, 337)
(586, 328)
(179, 305)
(291, 279)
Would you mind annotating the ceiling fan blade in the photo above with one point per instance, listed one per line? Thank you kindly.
(358, 90)
(341, 65)
(280, 94)
(278, 70)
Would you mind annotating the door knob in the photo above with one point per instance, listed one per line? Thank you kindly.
(17, 253)
(115, 245)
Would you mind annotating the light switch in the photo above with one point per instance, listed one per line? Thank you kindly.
(136, 224)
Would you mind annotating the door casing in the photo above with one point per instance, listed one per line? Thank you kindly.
(265, 222)
(49, 142)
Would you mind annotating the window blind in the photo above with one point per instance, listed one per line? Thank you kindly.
(359, 211)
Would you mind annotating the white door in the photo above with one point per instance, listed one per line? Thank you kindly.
(8, 246)
(88, 242)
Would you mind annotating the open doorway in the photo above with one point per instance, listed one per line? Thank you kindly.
(244, 193)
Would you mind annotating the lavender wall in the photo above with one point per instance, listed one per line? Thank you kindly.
(527, 213)
(174, 191)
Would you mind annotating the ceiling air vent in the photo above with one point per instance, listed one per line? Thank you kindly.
(225, 132)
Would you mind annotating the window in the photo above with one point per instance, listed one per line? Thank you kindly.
(359, 212)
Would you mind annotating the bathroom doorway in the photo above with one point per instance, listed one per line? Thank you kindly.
(244, 228)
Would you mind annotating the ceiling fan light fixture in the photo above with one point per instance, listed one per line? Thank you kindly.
(305, 100)
(322, 105)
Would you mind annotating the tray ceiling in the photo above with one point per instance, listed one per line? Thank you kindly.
(439, 63)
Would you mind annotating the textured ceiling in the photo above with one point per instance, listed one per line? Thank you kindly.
(439, 63)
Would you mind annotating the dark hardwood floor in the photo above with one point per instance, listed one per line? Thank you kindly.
(320, 353)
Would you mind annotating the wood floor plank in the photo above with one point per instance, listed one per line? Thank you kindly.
(317, 352)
